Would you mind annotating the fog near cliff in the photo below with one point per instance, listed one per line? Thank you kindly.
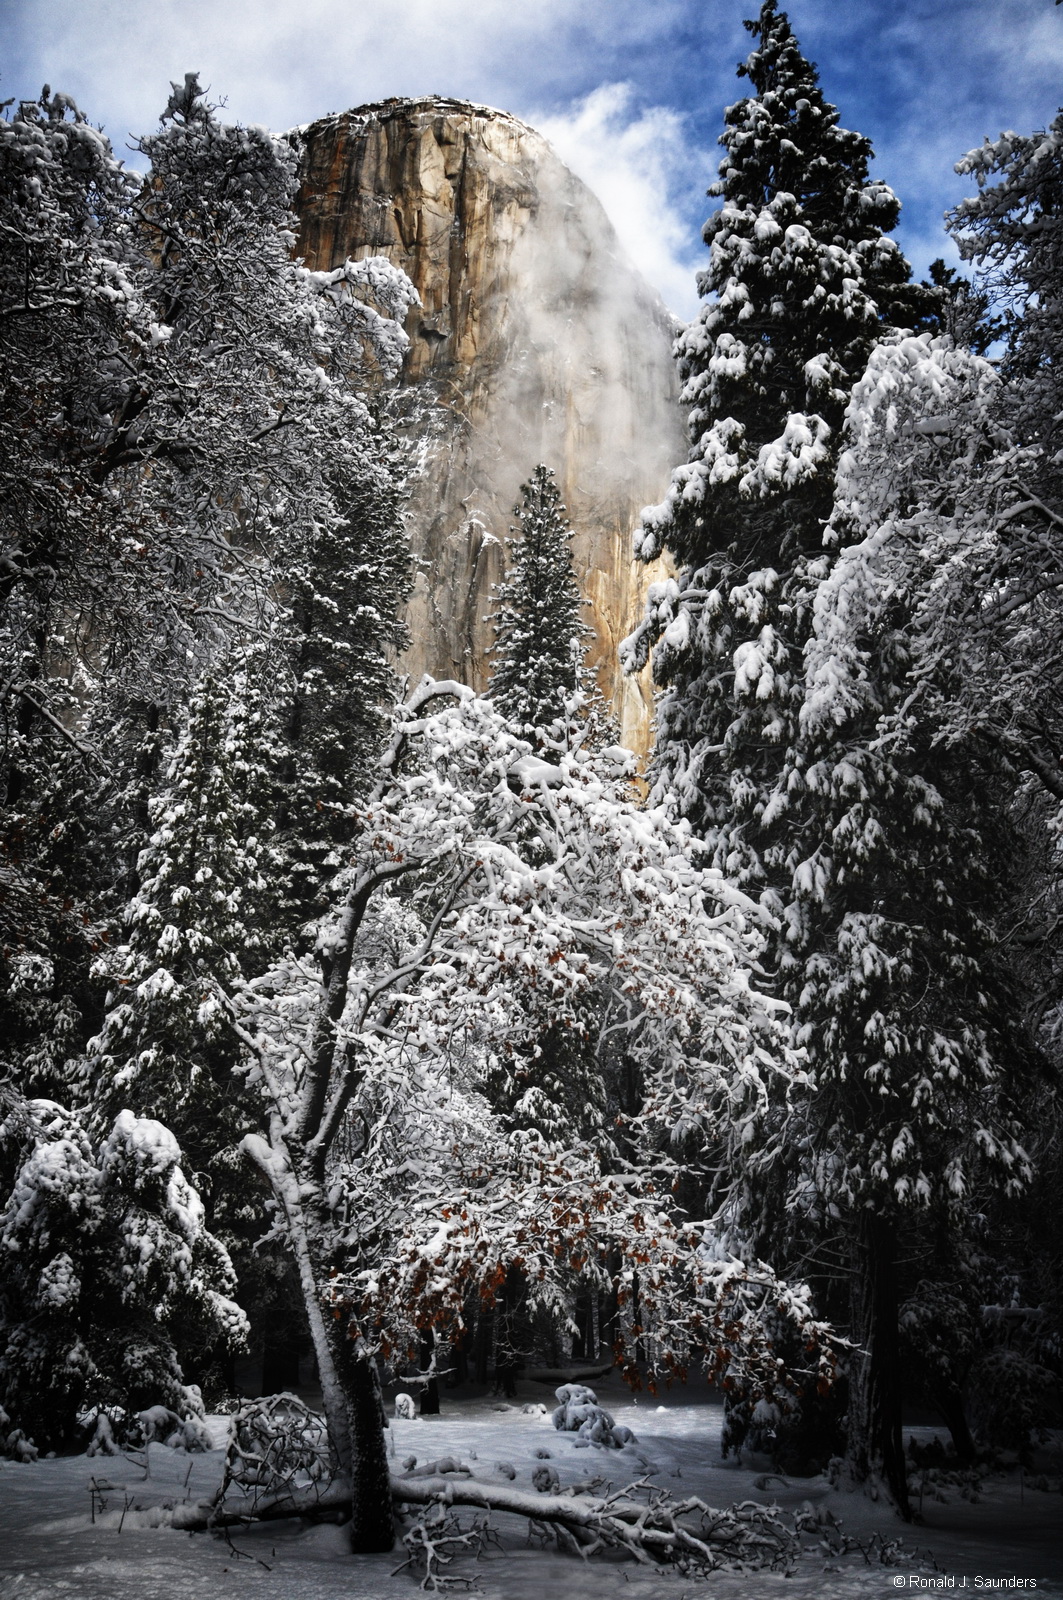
(640, 162)
(535, 341)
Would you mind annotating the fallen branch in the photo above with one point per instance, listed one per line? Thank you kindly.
(278, 1465)
(434, 1541)
(641, 1521)
(330, 1505)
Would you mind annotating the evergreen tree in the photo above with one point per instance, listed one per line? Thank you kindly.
(107, 1268)
(1013, 230)
(802, 280)
(190, 461)
(195, 928)
(899, 861)
(540, 637)
(805, 282)
(967, 312)
(341, 584)
(187, 432)
(541, 686)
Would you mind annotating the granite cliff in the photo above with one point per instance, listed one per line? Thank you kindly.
(535, 341)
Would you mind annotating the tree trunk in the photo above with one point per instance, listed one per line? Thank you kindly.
(611, 1328)
(636, 1318)
(508, 1352)
(333, 1390)
(350, 1388)
(459, 1353)
(430, 1388)
(372, 1526)
(485, 1327)
(875, 1448)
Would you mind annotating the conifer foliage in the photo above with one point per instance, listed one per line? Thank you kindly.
(539, 634)
(202, 556)
(424, 992)
(341, 582)
(802, 279)
(540, 684)
(197, 924)
(769, 721)
(900, 858)
(105, 1255)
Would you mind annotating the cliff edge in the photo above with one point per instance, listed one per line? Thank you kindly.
(536, 340)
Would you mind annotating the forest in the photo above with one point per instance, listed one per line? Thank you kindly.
(414, 1028)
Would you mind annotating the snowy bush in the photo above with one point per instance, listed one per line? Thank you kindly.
(578, 1411)
(160, 1425)
(1014, 1399)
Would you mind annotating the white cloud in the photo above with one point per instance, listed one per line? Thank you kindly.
(282, 62)
(638, 162)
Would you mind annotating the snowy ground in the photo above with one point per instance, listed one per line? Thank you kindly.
(49, 1545)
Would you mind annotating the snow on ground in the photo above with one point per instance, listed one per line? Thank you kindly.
(50, 1547)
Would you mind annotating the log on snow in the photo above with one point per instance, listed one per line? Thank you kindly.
(647, 1531)
(331, 1505)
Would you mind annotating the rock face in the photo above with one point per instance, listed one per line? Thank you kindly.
(535, 341)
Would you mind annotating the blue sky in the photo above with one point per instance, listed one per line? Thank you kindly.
(630, 91)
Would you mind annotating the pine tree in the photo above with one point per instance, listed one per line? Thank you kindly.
(541, 686)
(187, 432)
(1012, 229)
(190, 462)
(195, 928)
(341, 584)
(803, 281)
(900, 856)
(108, 1267)
(540, 637)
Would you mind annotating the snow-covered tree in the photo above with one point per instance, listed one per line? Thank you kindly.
(341, 584)
(899, 864)
(794, 805)
(191, 438)
(189, 394)
(1005, 608)
(1012, 230)
(1010, 592)
(540, 635)
(526, 887)
(493, 1203)
(189, 426)
(541, 685)
(802, 280)
(107, 1267)
(196, 922)
(69, 307)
